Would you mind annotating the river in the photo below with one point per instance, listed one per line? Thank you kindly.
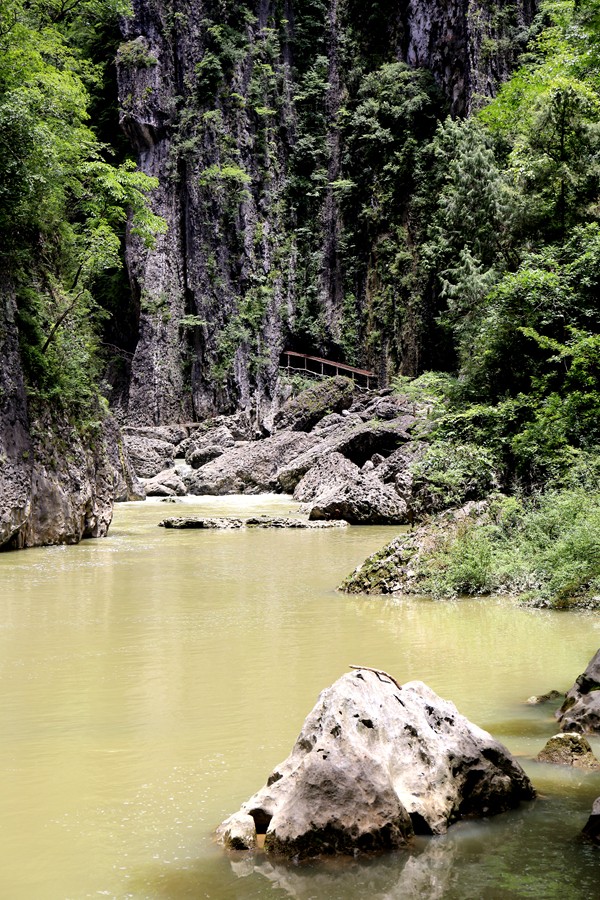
(151, 680)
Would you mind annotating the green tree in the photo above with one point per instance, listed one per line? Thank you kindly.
(548, 118)
(63, 205)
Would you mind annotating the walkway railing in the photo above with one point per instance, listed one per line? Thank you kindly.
(322, 368)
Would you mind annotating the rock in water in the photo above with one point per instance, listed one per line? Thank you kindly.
(538, 699)
(570, 749)
(581, 709)
(592, 826)
(335, 488)
(374, 763)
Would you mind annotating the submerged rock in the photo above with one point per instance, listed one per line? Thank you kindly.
(581, 709)
(252, 522)
(538, 699)
(569, 749)
(375, 763)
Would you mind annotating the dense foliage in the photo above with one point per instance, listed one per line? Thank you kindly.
(546, 549)
(63, 202)
(511, 249)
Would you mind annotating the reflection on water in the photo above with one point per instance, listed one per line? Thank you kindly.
(150, 682)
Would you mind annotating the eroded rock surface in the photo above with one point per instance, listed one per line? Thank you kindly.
(581, 709)
(395, 568)
(335, 488)
(376, 762)
(149, 454)
(56, 485)
(166, 484)
(302, 413)
(248, 468)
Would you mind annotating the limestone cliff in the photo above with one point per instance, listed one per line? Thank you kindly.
(247, 114)
(55, 485)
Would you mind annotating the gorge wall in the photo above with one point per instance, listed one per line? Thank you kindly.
(57, 486)
(283, 136)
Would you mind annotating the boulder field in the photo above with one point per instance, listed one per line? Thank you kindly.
(342, 452)
(375, 763)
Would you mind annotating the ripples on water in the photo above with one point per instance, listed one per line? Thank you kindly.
(150, 682)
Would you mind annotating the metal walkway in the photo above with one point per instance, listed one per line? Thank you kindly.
(325, 368)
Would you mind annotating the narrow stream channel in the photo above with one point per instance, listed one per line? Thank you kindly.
(150, 682)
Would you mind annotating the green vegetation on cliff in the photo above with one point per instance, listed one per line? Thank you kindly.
(63, 202)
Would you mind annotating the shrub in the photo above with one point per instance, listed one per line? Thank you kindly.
(450, 474)
(546, 548)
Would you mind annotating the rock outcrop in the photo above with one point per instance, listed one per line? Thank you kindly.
(395, 568)
(204, 446)
(581, 710)
(166, 484)
(337, 489)
(569, 749)
(64, 496)
(337, 457)
(57, 484)
(375, 763)
(148, 454)
(248, 467)
(302, 413)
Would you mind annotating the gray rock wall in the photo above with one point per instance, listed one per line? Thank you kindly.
(226, 105)
(55, 488)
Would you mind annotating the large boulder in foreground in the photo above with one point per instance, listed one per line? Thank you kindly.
(375, 763)
(581, 709)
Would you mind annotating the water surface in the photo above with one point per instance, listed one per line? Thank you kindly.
(150, 681)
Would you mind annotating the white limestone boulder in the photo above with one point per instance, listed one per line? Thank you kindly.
(375, 763)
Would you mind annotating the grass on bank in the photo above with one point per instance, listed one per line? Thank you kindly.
(547, 549)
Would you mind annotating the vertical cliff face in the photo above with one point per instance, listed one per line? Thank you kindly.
(262, 122)
(55, 485)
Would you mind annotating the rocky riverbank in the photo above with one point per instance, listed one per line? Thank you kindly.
(342, 452)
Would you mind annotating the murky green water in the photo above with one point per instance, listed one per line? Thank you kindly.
(150, 681)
